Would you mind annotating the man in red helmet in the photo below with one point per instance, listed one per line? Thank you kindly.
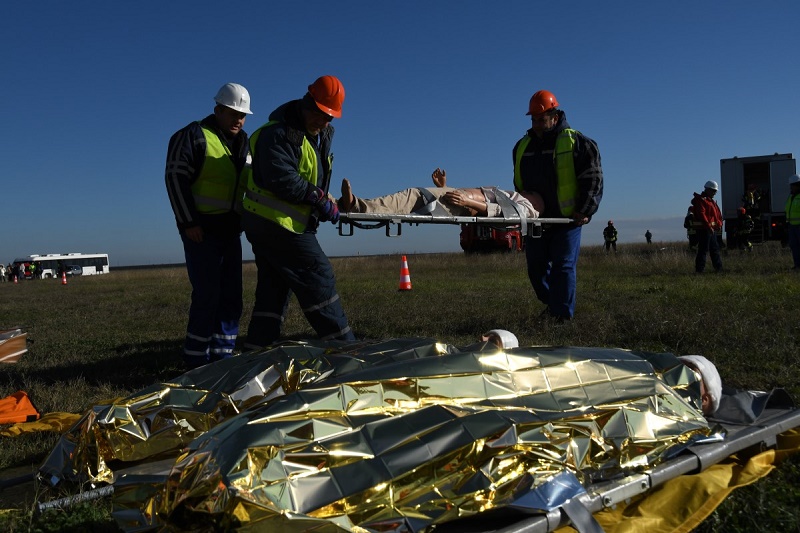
(563, 166)
(286, 199)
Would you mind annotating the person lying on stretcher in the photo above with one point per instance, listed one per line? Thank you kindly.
(480, 201)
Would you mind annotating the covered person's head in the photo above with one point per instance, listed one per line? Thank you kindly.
(711, 383)
(501, 337)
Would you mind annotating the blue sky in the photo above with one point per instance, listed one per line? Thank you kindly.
(93, 90)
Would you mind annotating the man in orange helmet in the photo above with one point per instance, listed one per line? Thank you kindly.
(286, 199)
(563, 166)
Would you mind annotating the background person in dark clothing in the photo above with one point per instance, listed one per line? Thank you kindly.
(610, 236)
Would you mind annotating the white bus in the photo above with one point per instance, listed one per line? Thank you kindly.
(51, 265)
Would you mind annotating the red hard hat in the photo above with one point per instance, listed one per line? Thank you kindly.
(328, 93)
(541, 101)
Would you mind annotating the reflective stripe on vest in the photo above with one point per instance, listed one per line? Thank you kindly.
(793, 210)
(291, 216)
(565, 169)
(215, 189)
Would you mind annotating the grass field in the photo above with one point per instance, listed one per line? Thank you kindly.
(100, 337)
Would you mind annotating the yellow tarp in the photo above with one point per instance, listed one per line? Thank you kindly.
(59, 422)
(682, 503)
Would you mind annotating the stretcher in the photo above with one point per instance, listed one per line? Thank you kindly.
(749, 420)
(263, 402)
(769, 416)
(394, 222)
(433, 213)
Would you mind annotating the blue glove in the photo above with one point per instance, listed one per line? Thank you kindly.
(327, 210)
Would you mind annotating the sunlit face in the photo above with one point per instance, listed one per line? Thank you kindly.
(544, 122)
(315, 120)
(229, 121)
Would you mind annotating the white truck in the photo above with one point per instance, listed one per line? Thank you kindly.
(760, 185)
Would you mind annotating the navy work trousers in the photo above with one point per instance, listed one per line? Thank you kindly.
(552, 267)
(293, 263)
(707, 244)
(215, 272)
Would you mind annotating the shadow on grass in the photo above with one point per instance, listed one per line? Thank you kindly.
(135, 367)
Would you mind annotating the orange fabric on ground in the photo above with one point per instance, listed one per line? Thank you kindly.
(17, 408)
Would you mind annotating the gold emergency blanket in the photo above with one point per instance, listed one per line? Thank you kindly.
(392, 436)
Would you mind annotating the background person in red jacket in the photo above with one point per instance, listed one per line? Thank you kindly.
(708, 218)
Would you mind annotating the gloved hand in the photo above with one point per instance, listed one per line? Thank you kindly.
(327, 210)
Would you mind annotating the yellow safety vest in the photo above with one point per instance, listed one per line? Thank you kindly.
(565, 169)
(793, 210)
(289, 215)
(218, 188)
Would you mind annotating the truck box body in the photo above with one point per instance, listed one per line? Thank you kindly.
(769, 175)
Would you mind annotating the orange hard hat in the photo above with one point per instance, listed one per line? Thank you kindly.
(542, 101)
(328, 94)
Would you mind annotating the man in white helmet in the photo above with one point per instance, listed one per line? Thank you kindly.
(204, 181)
(708, 218)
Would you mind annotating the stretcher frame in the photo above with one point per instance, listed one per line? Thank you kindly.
(433, 213)
(694, 459)
(347, 221)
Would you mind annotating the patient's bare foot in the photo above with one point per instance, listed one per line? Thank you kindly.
(347, 200)
(439, 177)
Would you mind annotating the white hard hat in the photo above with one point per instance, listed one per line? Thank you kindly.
(234, 96)
(794, 179)
(711, 184)
(710, 376)
(508, 339)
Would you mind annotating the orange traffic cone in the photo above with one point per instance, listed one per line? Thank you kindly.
(63, 278)
(405, 276)
(15, 279)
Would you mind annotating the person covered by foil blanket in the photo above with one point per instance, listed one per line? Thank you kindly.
(393, 435)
